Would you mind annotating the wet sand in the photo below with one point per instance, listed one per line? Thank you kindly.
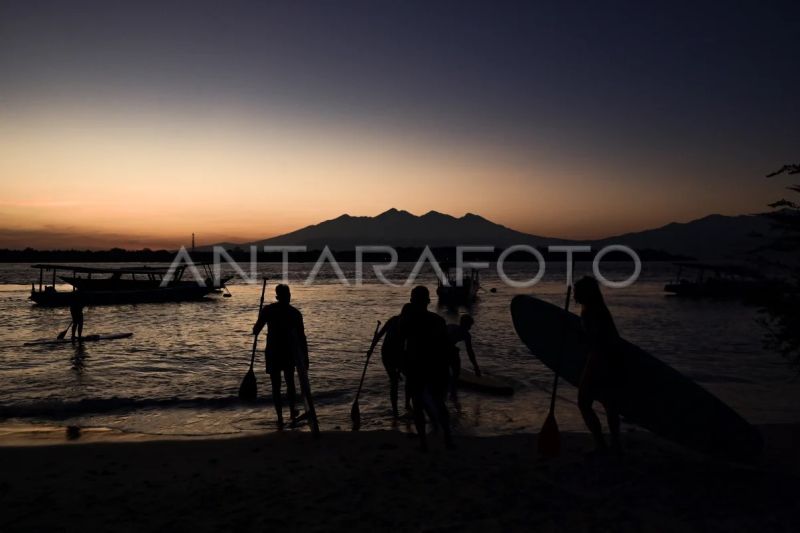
(379, 480)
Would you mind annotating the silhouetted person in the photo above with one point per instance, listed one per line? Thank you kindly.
(76, 306)
(393, 357)
(460, 333)
(285, 334)
(601, 376)
(427, 351)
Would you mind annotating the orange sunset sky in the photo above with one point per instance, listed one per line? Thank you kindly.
(136, 129)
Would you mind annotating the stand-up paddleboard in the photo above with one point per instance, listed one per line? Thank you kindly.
(652, 394)
(484, 383)
(85, 338)
(305, 387)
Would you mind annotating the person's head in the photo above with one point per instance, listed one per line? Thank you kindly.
(587, 292)
(283, 294)
(466, 321)
(420, 296)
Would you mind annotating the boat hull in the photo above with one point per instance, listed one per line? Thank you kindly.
(52, 298)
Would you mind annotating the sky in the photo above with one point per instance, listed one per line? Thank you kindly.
(135, 124)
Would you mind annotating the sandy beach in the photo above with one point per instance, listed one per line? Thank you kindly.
(379, 480)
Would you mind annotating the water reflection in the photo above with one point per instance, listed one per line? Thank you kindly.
(78, 359)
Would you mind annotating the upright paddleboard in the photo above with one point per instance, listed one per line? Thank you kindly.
(652, 394)
(488, 384)
(86, 338)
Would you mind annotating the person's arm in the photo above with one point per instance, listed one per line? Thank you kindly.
(262, 320)
(381, 333)
(471, 354)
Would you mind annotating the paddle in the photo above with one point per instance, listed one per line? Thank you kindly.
(64, 333)
(248, 390)
(549, 441)
(355, 414)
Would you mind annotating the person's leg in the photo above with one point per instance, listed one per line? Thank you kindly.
(408, 395)
(612, 412)
(74, 327)
(444, 418)
(455, 368)
(275, 378)
(418, 400)
(80, 328)
(394, 385)
(394, 378)
(290, 391)
(585, 399)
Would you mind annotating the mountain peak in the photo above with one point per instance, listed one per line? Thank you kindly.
(393, 212)
(435, 214)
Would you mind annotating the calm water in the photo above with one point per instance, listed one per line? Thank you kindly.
(179, 373)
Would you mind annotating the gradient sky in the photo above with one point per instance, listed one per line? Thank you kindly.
(137, 123)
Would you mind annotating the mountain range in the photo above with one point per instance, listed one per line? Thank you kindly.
(713, 236)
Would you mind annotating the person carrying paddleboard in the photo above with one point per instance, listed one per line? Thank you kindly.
(427, 352)
(284, 324)
(602, 373)
(460, 333)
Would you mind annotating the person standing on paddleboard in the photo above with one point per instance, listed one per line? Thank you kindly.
(427, 350)
(284, 327)
(460, 333)
(76, 306)
(602, 373)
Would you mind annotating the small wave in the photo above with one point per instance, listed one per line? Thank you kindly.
(62, 409)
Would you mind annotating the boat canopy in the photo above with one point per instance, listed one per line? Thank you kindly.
(117, 270)
(732, 269)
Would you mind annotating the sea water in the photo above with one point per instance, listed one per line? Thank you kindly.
(179, 373)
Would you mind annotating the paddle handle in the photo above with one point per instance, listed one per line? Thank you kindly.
(255, 337)
(369, 354)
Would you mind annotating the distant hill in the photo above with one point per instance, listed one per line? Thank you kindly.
(711, 237)
(714, 236)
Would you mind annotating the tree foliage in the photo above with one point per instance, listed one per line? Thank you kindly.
(782, 312)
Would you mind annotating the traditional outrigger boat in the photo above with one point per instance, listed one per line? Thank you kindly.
(451, 293)
(719, 280)
(128, 285)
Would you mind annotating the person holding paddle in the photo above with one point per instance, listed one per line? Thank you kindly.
(393, 358)
(284, 328)
(76, 306)
(602, 373)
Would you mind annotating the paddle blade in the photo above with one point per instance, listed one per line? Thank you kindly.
(64, 333)
(549, 441)
(248, 390)
(355, 416)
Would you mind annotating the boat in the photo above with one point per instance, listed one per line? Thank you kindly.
(126, 285)
(453, 293)
(721, 280)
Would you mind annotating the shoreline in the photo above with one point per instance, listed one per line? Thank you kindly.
(379, 479)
